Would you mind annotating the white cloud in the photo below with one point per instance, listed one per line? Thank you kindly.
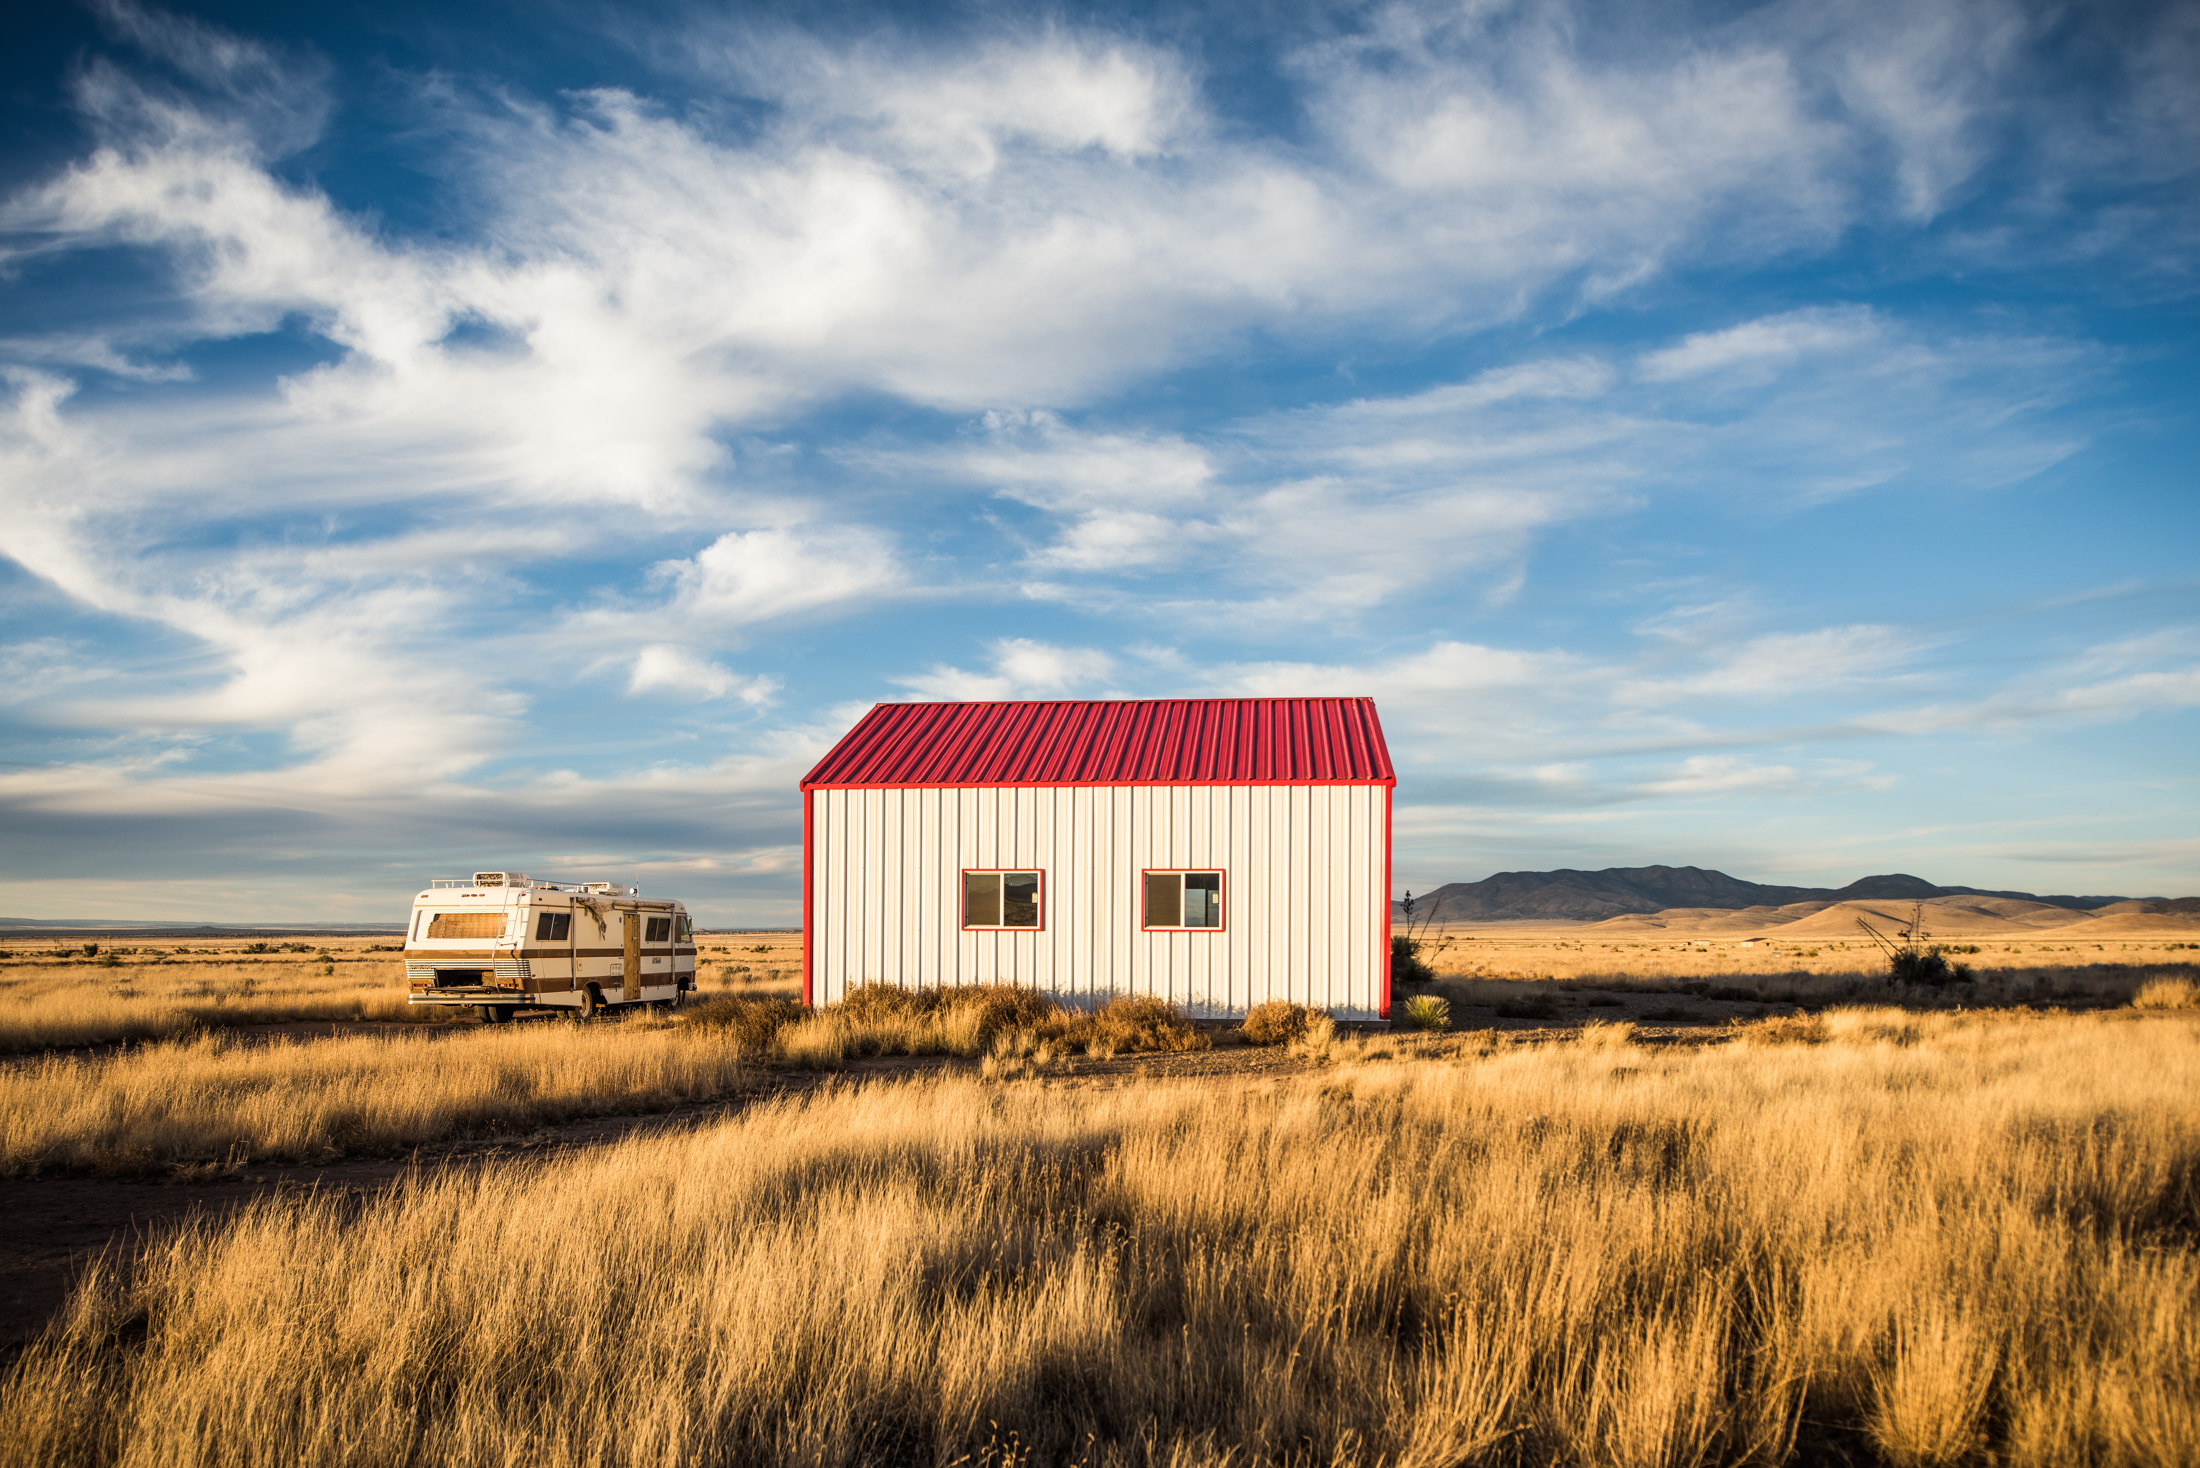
(1021, 668)
(1718, 774)
(661, 666)
(1785, 664)
(1765, 345)
(2114, 681)
(752, 576)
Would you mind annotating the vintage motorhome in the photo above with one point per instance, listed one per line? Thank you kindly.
(505, 941)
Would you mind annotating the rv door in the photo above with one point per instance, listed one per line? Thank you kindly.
(633, 989)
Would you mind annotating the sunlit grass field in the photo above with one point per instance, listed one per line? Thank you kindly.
(1501, 951)
(1945, 1238)
(217, 1102)
(54, 994)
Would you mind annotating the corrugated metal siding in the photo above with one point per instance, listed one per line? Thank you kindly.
(1303, 894)
(1110, 741)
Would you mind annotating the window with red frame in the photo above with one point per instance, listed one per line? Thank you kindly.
(1183, 899)
(1001, 899)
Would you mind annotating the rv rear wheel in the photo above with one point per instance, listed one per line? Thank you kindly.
(591, 1003)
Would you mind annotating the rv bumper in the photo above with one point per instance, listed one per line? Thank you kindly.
(469, 995)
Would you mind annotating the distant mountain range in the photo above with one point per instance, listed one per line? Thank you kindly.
(1570, 896)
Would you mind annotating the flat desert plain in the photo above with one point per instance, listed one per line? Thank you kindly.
(1810, 937)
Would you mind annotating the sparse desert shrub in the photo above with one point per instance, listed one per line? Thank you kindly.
(1598, 1035)
(1428, 1012)
(750, 1024)
(1277, 1022)
(1137, 1023)
(1407, 966)
(1787, 1029)
(2167, 994)
(1911, 962)
(890, 1001)
(1320, 1038)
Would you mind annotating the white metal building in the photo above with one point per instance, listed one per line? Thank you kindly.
(1214, 852)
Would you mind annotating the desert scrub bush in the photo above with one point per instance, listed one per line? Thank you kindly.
(750, 1024)
(1789, 1029)
(1629, 1265)
(1277, 1022)
(1134, 1024)
(1428, 1012)
(886, 1019)
(2167, 994)
(1407, 966)
(972, 1021)
(1529, 1006)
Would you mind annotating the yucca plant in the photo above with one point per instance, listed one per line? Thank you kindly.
(1428, 1012)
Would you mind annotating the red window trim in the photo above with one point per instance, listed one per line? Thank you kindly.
(1222, 893)
(962, 899)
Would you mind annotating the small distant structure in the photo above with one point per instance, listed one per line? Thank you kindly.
(1213, 852)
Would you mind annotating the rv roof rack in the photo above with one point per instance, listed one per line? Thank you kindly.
(538, 884)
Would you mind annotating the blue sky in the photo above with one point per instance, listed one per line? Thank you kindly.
(436, 437)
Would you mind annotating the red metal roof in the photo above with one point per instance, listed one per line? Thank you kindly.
(1147, 741)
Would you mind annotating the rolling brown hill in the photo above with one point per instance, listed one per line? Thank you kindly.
(1567, 895)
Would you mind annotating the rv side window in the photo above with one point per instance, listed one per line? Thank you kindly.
(475, 924)
(1183, 899)
(660, 930)
(553, 925)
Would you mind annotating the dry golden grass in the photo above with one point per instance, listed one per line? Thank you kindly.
(217, 1102)
(153, 991)
(1582, 952)
(992, 1021)
(2167, 993)
(1522, 994)
(767, 964)
(1921, 1240)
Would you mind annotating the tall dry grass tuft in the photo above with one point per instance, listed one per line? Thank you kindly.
(221, 1102)
(1977, 1244)
(2176, 993)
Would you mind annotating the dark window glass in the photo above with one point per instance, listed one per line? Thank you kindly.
(1019, 899)
(553, 926)
(981, 899)
(687, 929)
(1183, 899)
(1203, 899)
(1164, 900)
(660, 930)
